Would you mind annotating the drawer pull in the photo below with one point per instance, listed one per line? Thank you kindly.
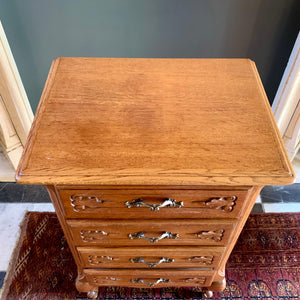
(150, 264)
(165, 235)
(141, 280)
(167, 203)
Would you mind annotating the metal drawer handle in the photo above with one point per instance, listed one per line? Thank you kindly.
(167, 203)
(151, 264)
(165, 235)
(149, 283)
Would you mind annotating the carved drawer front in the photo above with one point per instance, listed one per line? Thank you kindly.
(153, 203)
(148, 233)
(147, 257)
(149, 278)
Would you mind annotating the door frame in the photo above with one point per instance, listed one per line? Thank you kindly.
(286, 105)
(16, 114)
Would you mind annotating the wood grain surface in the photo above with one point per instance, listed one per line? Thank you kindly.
(154, 121)
(99, 203)
(111, 134)
(119, 277)
(205, 258)
(117, 232)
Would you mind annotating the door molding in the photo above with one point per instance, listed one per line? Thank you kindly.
(286, 105)
(15, 111)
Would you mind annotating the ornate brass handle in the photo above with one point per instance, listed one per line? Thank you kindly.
(151, 264)
(167, 203)
(149, 283)
(165, 235)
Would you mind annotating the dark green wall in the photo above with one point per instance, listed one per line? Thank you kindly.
(40, 30)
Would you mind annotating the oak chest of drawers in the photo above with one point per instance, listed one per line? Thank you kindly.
(153, 165)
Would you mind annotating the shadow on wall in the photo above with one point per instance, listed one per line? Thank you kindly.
(277, 37)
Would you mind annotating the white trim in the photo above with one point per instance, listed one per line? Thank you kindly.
(286, 102)
(7, 171)
(296, 166)
(15, 112)
(8, 137)
(16, 100)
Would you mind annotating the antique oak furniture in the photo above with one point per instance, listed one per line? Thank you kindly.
(153, 165)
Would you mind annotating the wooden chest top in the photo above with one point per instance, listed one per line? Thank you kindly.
(107, 121)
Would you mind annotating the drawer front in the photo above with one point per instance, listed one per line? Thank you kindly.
(145, 232)
(153, 203)
(151, 258)
(149, 278)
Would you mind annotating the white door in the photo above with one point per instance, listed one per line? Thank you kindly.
(286, 105)
(15, 112)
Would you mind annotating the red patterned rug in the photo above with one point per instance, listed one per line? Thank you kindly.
(265, 264)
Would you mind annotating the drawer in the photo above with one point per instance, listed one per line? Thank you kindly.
(152, 258)
(147, 232)
(153, 203)
(149, 278)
